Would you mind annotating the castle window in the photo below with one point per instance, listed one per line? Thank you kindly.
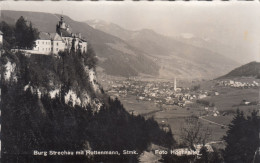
(43, 42)
(57, 49)
(57, 44)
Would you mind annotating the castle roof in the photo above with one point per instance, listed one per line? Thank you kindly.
(44, 36)
(56, 37)
(64, 33)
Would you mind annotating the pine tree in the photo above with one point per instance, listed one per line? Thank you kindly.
(8, 34)
(241, 139)
(25, 34)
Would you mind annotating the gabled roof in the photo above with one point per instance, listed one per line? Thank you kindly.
(56, 37)
(44, 36)
(1, 32)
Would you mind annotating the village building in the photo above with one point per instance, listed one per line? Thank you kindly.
(53, 43)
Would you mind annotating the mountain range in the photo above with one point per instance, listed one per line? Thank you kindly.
(175, 57)
(123, 52)
(115, 56)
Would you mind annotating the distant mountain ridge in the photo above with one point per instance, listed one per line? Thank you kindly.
(128, 53)
(251, 69)
(116, 57)
(176, 58)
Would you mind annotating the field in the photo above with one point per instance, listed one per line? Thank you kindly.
(140, 107)
(230, 99)
(227, 102)
(176, 120)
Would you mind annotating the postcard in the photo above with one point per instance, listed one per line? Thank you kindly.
(126, 81)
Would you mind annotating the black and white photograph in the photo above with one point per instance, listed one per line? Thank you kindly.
(130, 82)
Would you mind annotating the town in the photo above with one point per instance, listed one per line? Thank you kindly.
(238, 84)
(161, 93)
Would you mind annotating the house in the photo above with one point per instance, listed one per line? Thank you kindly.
(49, 43)
(201, 96)
(43, 44)
(1, 37)
(245, 102)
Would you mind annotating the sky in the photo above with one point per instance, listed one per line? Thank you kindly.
(235, 24)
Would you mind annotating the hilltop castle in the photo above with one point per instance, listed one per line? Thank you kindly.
(52, 43)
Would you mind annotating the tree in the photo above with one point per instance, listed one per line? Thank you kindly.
(8, 34)
(241, 138)
(193, 132)
(73, 48)
(90, 58)
(33, 34)
(25, 34)
(195, 87)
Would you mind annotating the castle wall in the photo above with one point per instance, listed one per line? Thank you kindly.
(43, 46)
(84, 47)
(58, 46)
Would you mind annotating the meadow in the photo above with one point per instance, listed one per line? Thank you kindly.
(227, 102)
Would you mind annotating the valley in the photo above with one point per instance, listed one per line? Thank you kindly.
(214, 104)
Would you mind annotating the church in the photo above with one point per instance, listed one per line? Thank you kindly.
(52, 43)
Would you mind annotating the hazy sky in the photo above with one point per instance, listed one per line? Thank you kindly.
(236, 24)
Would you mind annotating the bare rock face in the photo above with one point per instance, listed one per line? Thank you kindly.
(44, 75)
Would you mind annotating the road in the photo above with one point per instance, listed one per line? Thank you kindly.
(202, 118)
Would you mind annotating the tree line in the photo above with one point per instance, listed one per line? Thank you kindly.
(241, 142)
(34, 121)
(22, 35)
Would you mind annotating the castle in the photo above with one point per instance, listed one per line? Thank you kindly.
(52, 43)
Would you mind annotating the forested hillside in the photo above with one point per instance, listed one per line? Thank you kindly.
(52, 103)
(251, 69)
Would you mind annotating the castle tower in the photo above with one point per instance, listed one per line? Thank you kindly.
(62, 24)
